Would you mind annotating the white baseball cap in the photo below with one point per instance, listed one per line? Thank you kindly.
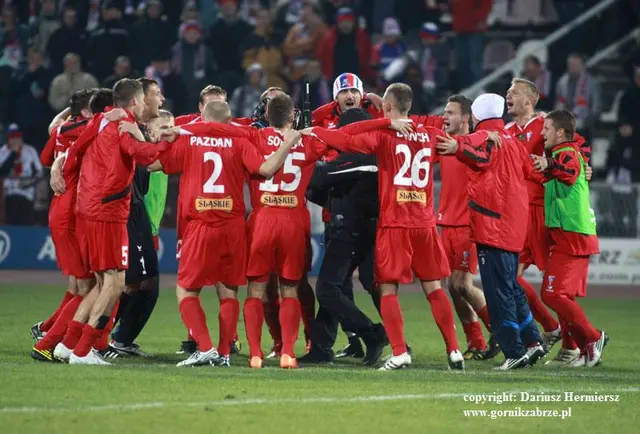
(488, 106)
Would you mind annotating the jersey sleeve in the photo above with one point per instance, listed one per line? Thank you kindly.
(435, 121)
(156, 199)
(47, 155)
(172, 159)
(362, 143)
(143, 152)
(185, 119)
(366, 126)
(251, 158)
(322, 113)
(80, 146)
(315, 148)
(475, 151)
(565, 167)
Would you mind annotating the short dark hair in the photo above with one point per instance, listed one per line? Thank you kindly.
(280, 110)
(80, 101)
(212, 90)
(125, 90)
(146, 83)
(101, 99)
(563, 119)
(533, 58)
(463, 101)
(353, 115)
(402, 95)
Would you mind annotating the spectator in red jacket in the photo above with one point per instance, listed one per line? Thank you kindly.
(498, 206)
(469, 25)
(346, 47)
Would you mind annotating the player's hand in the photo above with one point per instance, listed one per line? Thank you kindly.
(446, 145)
(169, 135)
(291, 137)
(156, 166)
(540, 163)
(115, 114)
(375, 100)
(495, 138)
(57, 181)
(401, 126)
(128, 127)
(307, 132)
(588, 173)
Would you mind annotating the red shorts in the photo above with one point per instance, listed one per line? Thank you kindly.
(104, 245)
(213, 254)
(278, 242)
(460, 250)
(536, 245)
(68, 253)
(401, 250)
(566, 275)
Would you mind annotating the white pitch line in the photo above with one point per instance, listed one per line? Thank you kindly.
(276, 401)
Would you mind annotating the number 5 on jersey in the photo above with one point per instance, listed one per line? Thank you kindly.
(417, 164)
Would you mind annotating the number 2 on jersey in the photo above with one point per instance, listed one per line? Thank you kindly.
(416, 164)
(210, 186)
(290, 168)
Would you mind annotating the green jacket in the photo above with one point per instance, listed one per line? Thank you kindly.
(156, 199)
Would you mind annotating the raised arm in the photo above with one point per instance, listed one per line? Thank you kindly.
(47, 155)
(362, 143)
(565, 167)
(80, 146)
(476, 152)
(59, 119)
(143, 152)
(220, 129)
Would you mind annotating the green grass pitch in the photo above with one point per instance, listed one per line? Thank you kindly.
(153, 396)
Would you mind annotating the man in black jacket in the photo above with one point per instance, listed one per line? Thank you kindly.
(351, 183)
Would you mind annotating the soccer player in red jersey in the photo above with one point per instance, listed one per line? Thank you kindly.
(106, 161)
(209, 93)
(572, 229)
(214, 169)
(453, 218)
(407, 238)
(522, 98)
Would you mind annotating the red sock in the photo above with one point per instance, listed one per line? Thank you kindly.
(195, 320)
(567, 340)
(48, 323)
(483, 314)
(540, 312)
(253, 319)
(393, 323)
(228, 320)
(59, 328)
(103, 342)
(272, 318)
(473, 332)
(443, 314)
(572, 314)
(89, 337)
(308, 304)
(290, 324)
(73, 334)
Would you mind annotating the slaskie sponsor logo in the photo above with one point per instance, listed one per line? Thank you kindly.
(404, 196)
(5, 246)
(222, 204)
(214, 142)
(283, 201)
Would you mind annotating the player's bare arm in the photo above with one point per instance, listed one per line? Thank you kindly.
(57, 181)
(276, 160)
(59, 119)
(131, 128)
(115, 114)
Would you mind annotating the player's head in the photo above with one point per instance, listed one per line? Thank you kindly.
(153, 98)
(354, 115)
(487, 106)
(128, 94)
(457, 115)
(79, 103)
(100, 100)
(348, 91)
(217, 111)
(522, 97)
(397, 100)
(156, 126)
(559, 127)
(211, 93)
(268, 95)
(280, 111)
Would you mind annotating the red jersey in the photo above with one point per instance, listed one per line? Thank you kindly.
(108, 161)
(196, 117)
(453, 209)
(531, 137)
(405, 179)
(62, 210)
(213, 168)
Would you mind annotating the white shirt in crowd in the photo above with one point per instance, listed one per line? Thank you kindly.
(20, 184)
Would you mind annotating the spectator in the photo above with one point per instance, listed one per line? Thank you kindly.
(227, 38)
(70, 81)
(122, 69)
(263, 47)
(319, 89)
(44, 26)
(69, 38)
(537, 73)
(190, 12)
(192, 61)
(302, 40)
(422, 98)
(579, 92)
(433, 60)
(14, 40)
(288, 13)
(153, 36)
(30, 99)
(19, 186)
(345, 48)
(108, 42)
(392, 47)
(469, 24)
(246, 97)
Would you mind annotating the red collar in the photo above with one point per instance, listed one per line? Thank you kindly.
(490, 124)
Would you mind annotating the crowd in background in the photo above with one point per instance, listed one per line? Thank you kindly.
(52, 48)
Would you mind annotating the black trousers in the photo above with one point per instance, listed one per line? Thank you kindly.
(18, 210)
(347, 247)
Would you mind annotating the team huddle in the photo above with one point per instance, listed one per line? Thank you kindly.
(511, 197)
